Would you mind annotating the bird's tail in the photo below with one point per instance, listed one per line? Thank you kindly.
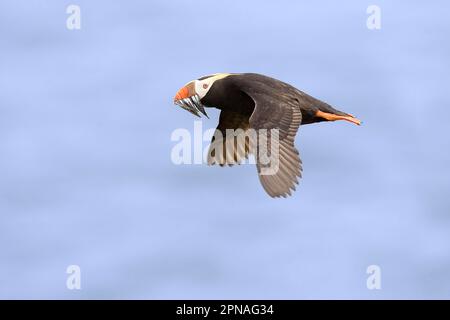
(322, 111)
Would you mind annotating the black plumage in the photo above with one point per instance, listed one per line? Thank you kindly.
(254, 101)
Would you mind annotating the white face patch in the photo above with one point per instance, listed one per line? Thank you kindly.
(202, 86)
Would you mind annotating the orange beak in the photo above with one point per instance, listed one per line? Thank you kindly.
(183, 93)
(186, 92)
(188, 99)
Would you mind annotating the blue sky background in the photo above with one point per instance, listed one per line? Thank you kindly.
(86, 176)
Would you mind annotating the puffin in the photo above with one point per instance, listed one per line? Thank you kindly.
(259, 116)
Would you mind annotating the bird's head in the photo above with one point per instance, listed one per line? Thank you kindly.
(190, 96)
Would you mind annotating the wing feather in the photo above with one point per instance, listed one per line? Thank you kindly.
(277, 114)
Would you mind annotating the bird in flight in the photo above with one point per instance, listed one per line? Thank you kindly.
(259, 116)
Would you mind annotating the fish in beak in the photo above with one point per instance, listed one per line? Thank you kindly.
(189, 100)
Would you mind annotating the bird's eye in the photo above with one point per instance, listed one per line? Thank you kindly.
(205, 86)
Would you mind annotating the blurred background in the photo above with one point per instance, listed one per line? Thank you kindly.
(86, 176)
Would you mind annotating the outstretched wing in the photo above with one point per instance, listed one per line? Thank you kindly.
(280, 174)
(277, 111)
(273, 125)
(232, 147)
